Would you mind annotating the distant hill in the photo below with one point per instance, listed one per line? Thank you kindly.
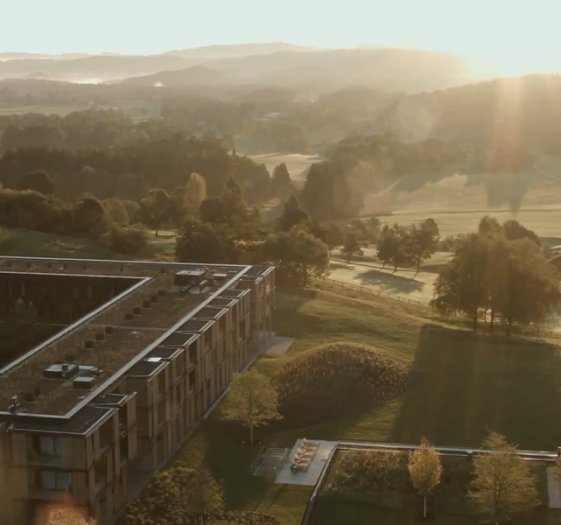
(106, 66)
(327, 70)
(523, 111)
(273, 64)
(236, 50)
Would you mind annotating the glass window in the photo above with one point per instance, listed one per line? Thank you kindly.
(47, 446)
(56, 480)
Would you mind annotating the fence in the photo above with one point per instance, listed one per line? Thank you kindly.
(372, 291)
(533, 329)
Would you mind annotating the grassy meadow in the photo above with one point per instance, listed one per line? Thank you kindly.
(463, 386)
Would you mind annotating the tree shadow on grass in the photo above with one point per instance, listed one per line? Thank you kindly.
(390, 283)
(229, 457)
(466, 385)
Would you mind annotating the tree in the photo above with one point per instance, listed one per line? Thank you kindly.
(351, 247)
(156, 209)
(394, 246)
(116, 210)
(423, 240)
(425, 470)
(298, 254)
(373, 228)
(335, 236)
(510, 278)
(212, 210)
(513, 231)
(66, 515)
(233, 204)
(178, 495)
(202, 242)
(252, 401)
(195, 192)
(292, 215)
(388, 244)
(90, 217)
(503, 484)
(328, 194)
(38, 181)
(281, 185)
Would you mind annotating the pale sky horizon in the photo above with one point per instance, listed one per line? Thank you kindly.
(509, 37)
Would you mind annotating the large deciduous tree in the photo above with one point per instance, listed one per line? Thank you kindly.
(292, 215)
(156, 209)
(394, 246)
(298, 254)
(195, 192)
(511, 279)
(423, 240)
(425, 470)
(351, 247)
(201, 242)
(281, 185)
(503, 485)
(252, 401)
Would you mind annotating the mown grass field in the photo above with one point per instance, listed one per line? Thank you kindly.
(32, 243)
(463, 386)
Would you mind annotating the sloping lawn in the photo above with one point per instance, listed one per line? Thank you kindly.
(463, 385)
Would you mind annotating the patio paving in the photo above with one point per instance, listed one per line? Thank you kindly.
(310, 476)
(277, 346)
(553, 489)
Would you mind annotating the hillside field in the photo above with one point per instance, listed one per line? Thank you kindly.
(463, 385)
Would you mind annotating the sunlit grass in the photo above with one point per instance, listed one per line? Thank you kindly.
(463, 385)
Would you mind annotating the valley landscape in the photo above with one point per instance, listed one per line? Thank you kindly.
(280, 278)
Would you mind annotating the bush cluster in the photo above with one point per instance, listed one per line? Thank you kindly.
(380, 477)
(335, 379)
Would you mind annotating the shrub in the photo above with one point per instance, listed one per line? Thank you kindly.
(379, 477)
(335, 379)
(124, 240)
(245, 518)
(116, 210)
(33, 210)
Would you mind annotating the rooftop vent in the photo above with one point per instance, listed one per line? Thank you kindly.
(89, 370)
(83, 382)
(186, 277)
(61, 371)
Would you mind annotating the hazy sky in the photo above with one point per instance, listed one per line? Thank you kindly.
(512, 36)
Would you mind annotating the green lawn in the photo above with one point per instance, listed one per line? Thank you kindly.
(463, 386)
(31, 243)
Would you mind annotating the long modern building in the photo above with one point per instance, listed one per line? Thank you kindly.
(137, 354)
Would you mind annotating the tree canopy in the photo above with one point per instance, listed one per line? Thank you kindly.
(509, 278)
(292, 214)
(156, 209)
(298, 255)
(201, 242)
(503, 485)
(252, 401)
(425, 470)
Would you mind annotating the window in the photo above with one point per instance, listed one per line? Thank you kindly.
(47, 446)
(56, 480)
